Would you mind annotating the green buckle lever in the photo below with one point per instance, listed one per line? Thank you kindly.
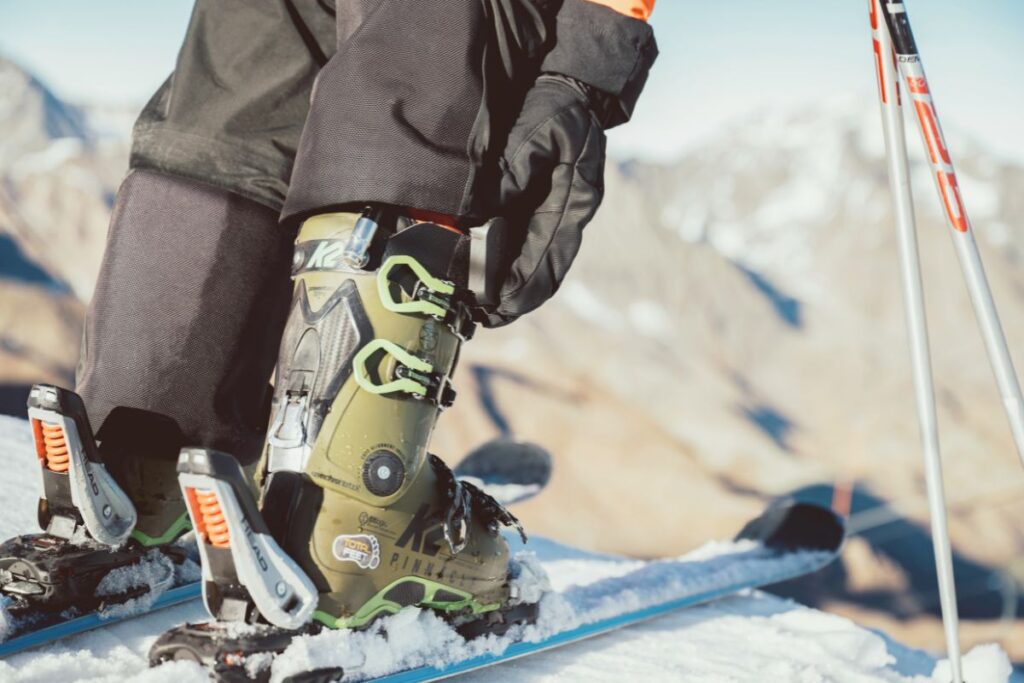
(413, 376)
(433, 296)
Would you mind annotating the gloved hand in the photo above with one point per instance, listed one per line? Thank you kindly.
(552, 184)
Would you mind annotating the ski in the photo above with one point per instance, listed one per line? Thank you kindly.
(87, 567)
(491, 466)
(87, 622)
(787, 542)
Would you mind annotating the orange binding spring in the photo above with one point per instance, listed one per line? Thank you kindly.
(51, 446)
(210, 522)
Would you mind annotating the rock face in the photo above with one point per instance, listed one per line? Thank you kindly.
(732, 331)
(56, 183)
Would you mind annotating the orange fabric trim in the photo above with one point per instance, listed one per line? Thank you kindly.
(438, 219)
(638, 9)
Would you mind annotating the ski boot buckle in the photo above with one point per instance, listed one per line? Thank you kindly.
(413, 375)
(431, 296)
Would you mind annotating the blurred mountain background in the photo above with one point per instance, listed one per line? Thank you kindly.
(732, 332)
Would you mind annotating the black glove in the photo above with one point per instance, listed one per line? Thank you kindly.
(552, 184)
(553, 166)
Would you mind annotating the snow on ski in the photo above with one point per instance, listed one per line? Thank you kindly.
(19, 633)
(87, 622)
(487, 466)
(786, 543)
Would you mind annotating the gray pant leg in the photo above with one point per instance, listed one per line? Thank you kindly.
(187, 315)
(182, 333)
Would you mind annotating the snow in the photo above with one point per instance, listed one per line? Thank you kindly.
(650, 318)
(983, 663)
(157, 573)
(589, 306)
(751, 637)
(49, 159)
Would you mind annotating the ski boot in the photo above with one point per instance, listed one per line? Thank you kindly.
(356, 520)
(91, 525)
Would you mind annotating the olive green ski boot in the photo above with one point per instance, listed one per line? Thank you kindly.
(356, 519)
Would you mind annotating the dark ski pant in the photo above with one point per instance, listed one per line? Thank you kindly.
(411, 101)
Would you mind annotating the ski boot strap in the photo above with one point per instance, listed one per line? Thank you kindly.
(412, 375)
(430, 296)
(464, 500)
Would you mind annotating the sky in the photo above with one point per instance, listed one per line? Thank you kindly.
(720, 61)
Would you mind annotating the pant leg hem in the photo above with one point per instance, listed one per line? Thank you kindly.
(232, 166)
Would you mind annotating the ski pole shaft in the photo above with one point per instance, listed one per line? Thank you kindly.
(917, 327)
(944, 175)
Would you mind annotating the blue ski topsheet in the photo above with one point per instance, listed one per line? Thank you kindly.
(787, 571)
(87, 622)
(786, 542)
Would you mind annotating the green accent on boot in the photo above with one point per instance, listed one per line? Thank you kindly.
(421, 306)
(406, 384)
(180, 526)
(379, 604)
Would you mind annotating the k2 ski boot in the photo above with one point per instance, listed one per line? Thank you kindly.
(90, 523)
(356, 519)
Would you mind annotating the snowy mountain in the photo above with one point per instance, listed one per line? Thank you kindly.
(57, 179)
(732, 332)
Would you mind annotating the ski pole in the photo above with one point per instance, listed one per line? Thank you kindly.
(917, 327)
(918, 93)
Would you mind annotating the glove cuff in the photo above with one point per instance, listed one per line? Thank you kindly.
(606, 50)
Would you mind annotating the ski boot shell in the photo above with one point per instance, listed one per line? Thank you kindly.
(349, 491)
(356, 519)
(348, 448)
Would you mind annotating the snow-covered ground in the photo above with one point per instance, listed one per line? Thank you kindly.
(752, 637)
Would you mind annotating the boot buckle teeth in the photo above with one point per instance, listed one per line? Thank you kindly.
(456, 315)
(439, 389)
